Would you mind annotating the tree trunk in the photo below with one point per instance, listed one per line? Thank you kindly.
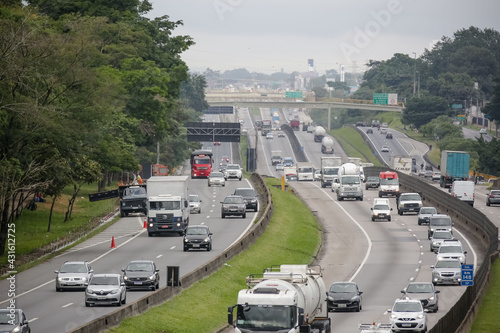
(51, 209)
(71, 202)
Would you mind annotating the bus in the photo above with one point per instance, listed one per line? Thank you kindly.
(201, 163)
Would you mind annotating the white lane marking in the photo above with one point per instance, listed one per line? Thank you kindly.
(90, 262)
(65, 306)
(173, 247)
(32, 320)
(159, 256)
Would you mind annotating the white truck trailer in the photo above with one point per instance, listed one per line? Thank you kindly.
(288, 298)
(319, 133)
(349, 182)
(305, 171)
(168, 206)
(401, 163)
(329, 170)
(327, 145)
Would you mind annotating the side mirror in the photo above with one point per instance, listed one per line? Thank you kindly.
(391, 208)
(437, 291)
(123, 270)
(56, 272)
(371, 208)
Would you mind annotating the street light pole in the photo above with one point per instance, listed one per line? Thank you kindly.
(418, 85)
(414, 74)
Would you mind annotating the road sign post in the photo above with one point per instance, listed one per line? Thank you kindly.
(467, 275)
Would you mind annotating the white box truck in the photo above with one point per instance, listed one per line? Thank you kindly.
(329, 170)
(168, 205)
(305, 171)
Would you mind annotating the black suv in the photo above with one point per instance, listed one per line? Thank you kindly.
(372, 182)
(249, 196)
(133, 199)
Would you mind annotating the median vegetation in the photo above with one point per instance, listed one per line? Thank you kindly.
(292, 237)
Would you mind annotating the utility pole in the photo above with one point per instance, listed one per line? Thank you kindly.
(414, 74)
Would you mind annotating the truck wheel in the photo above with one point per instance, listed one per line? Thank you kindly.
(122, 214)
(380, 194)
(150, 234)
(487, 203)
(361, 199)
(223, 216)
(256, 209)
(389, 219)
(373, 219)
(244, 215)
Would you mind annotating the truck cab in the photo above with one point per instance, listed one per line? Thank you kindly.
(389, 184)
(167, 214)
(133, 199)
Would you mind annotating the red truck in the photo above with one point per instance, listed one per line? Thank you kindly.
(295, 124)
(201, 163)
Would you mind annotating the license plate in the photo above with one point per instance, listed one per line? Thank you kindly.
(406, 325)
(233, 210)
(71, 283)
(135, 207)
(342, 305)
(164, 226)
(196, 245)
(101, 298)
(137, 282)
(411, 209)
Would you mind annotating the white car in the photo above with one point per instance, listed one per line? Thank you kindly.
(482, 131)
(447, 271)
(233, 171)
(381, 209)
(194, 203)
(269, 135)
(451, 249)
(408, 315)
(317, 175)
(279, 167)
(385, 148)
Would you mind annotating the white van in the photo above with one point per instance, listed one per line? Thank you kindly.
(381, 209)
(463, 190)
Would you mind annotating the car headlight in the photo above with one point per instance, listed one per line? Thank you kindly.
(186, 240)
(431, 298)
(394, 316)
(420, 316)
(152, 277)
(114, 291)
(16, 329)
(125, 277)
(206, 240)
(460, 258)
(253, 201)
(89, 291)
(60, 279)
(330, 298)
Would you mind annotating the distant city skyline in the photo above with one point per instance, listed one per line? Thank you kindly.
(270, 36)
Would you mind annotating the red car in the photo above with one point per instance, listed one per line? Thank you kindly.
(216, 143)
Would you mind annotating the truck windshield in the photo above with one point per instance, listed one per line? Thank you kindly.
(350, 180)
(164, 205)
(387, 181)
(268, 318)
(331, 171)
(135, 191)
(306, 169)
(204, 160)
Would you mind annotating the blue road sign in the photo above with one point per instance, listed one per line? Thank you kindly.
(467, 275)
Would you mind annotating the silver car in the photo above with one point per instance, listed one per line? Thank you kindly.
(451, 249)
(106, 289)
(425, 213)
(73, 275)
(194, 204)
(448, 271)
(216, 178)
(425, 292)
(438, 237)
(233, 205)
(13, 320)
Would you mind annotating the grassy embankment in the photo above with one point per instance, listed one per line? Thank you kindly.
(292, 237)
(31, 228)
(353, 144)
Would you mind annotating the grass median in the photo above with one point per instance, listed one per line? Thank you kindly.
(292, 237)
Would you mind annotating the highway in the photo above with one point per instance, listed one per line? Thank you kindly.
(382, 257)
(56, 312)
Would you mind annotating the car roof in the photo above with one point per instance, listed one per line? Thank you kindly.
(75, 262)
(233, 195)
(435, 216)
(107, 274)
(141, 261)
(197, 226)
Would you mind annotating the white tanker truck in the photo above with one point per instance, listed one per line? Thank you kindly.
(319, 133)
(288, 298)
(327, 145)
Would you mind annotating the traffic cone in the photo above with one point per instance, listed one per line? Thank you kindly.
(145, 223)
(113, 245)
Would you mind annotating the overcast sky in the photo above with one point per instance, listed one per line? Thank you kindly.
(267, 36)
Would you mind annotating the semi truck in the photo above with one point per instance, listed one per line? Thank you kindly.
(276, 119)
(305, 171)
(267, 126)
(402, 163)
(295, 123)
(329, 170)
(319, 133)
(201, 163)
(285, 298)
(454, 166)
(327, 145)
(168, 205)
(276, 157)
(349, 182)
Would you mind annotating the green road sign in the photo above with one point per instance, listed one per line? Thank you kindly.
(380, 99)
(293, 94)
(456, 106)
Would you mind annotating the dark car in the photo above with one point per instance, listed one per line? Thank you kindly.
(133, 199)
(249, 196)
(344, 296)
(369, 131)
(233, 205)
(141, 274)
(73, 275)
(388, 136)
(197, 237)
(372, 182)
(13, 320)
(425, 293)
(493, 197)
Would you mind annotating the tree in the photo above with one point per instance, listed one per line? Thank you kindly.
(492, 109)
(420, 111)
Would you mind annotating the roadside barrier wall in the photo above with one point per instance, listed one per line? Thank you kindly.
(164, 294)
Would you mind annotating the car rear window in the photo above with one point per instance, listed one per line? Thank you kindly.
(245, 192)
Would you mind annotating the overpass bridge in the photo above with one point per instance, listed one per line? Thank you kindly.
(278, 100)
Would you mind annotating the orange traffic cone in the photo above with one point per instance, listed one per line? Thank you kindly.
(145, 223)
(113, 245)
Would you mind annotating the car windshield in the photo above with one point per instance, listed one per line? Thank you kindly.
(381, 207)
(350, 180)
(441, 221)
(216, 175)
(140, 267)
(428, 210)
(193, 198)
(373, 179)
(233, 200)
(389, 181)
(450, 249)
(448, 264)
(197, 231)
(6, 318)
(343, 288)
(204, 160)
(245, 192)
(442, 235)
(419, 288)
(410, 197)
(73, 268)
(105, 280)
(234, 166)
(407, 307)
(164, 205)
